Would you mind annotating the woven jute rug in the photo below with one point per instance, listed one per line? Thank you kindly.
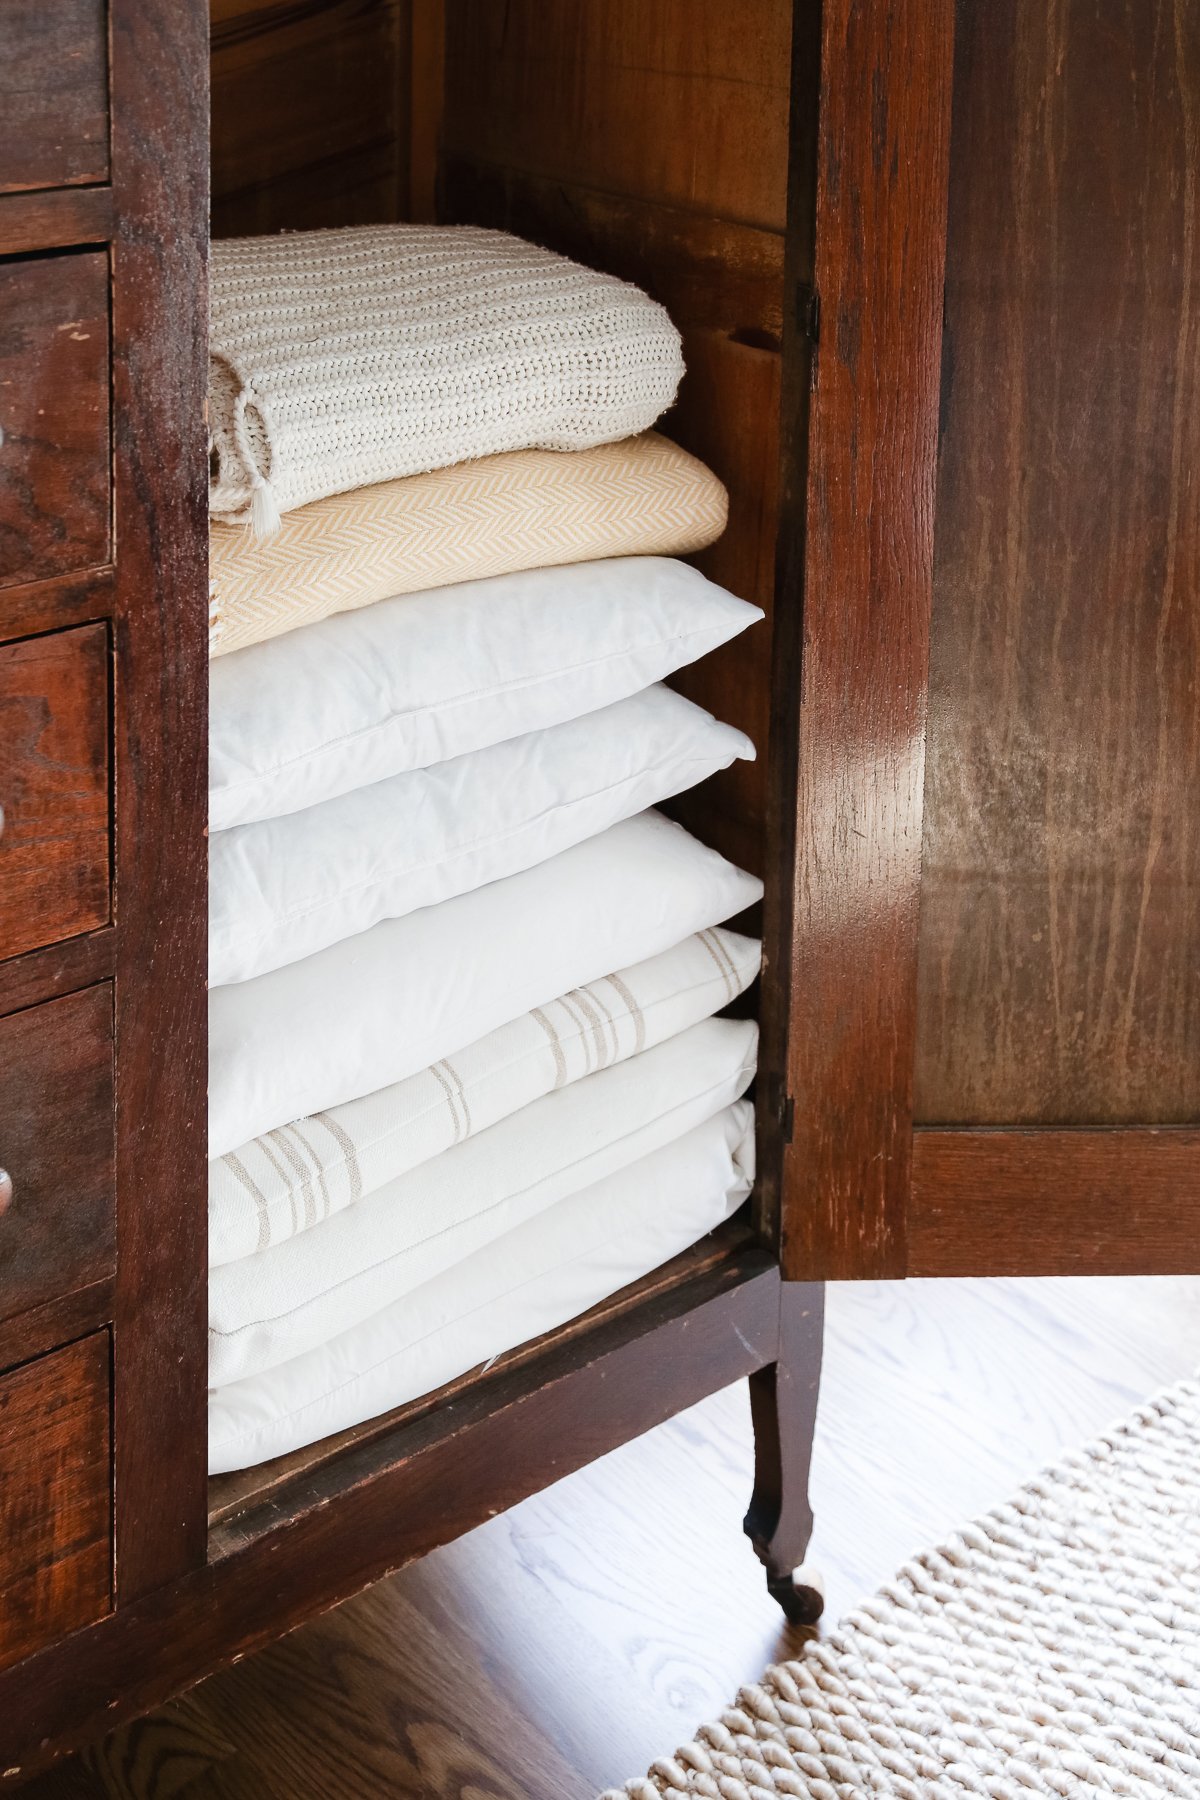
(1052, 1647)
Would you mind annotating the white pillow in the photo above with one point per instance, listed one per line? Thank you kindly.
(265, 1309)
(275, 1186)
(532, 1280)
(424, 677)
(377, 1007)
(284, 888)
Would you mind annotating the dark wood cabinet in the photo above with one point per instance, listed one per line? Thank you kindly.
(933, 268)
(994, 993)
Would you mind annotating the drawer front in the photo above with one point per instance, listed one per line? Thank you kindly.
(53, 94)
(55, 1497)
(58, 1230)
(54, 836)
(54, 413)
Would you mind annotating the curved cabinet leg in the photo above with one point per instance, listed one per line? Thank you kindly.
(783, 1405)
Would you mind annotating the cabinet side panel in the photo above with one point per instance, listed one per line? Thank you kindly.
(1060, 931)
(159, 149)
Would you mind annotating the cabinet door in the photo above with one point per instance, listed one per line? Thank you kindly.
(993, 1032)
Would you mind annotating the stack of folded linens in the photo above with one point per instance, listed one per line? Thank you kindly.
(467, 1077)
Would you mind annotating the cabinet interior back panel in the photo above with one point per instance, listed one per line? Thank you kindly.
(649, 138)
(1060, 930)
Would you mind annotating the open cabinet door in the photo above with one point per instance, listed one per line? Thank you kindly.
(993, 1008)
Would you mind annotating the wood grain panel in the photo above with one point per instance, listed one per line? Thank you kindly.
(55, 219)
(56, 1142)
(722, 283)
(55, 1497)
(58, 969)
(310, 113)
(53, 93)
(680, 101)
(1045, 1202)
(37, 606)
(1060, 934)
(46, 1328)
(159, 383)
(54, 831)
(54, 475)
(868, 536)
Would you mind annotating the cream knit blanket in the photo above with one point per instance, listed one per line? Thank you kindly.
(339, 358)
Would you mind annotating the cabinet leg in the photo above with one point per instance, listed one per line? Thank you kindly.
(783, 1406)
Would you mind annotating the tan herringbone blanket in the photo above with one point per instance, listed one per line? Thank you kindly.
(526, 509)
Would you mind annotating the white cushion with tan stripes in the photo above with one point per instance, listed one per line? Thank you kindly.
(558, 1265)
(266, 1309)
(378, 1007)
(528, 509)
(281, 1184)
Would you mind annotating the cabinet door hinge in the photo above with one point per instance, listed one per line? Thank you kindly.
(787, 1118)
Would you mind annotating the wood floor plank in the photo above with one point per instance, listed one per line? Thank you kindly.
(566, 1644)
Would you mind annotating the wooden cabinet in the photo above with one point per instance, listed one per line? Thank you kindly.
(54, 386)
(54, 787)
(933, 264)
(58, 1227)
(55, 1497)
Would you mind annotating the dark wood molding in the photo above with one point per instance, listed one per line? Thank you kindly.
(53, 605)
(359, 1516)
(882, 169)
(58, 969)
(160, 373)
(1047, 1202)
(775, 1105)
(58, 1322)
(57, 219)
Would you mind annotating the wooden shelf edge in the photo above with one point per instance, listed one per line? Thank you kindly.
(55, 219)
(58, 1322)
(250, 1502)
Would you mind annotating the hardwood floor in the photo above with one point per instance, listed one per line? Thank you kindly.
(566, 1644)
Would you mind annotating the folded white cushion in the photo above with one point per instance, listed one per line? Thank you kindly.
(421, 678)
(275, 1186)
(532, 1280)
(377, 1007)
(266, 1309)
(284, 888)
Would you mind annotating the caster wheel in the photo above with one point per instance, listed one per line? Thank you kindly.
(801, 1595)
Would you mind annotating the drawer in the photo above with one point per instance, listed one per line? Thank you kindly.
(54, 789)
(54, 413)
(55, 1496)
(53, 94)
(58, 1230)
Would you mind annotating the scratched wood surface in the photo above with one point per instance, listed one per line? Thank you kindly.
(1060, 924)
(569, 1642)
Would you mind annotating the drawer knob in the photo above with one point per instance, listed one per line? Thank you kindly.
(1, 821)
(6, 1191)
